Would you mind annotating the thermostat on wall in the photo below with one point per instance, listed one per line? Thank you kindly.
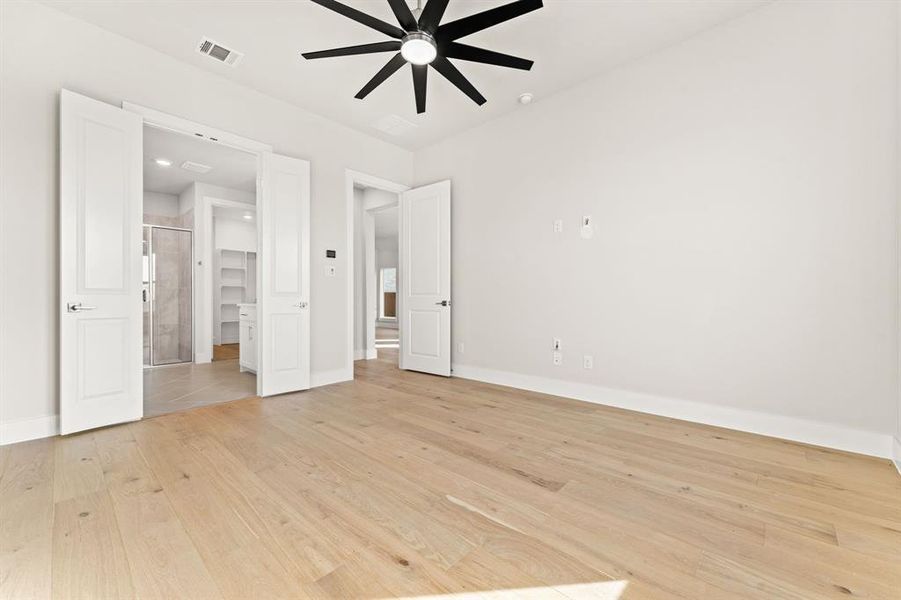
(331, 254)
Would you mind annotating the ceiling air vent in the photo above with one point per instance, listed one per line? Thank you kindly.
(196, 167)
(219, 52)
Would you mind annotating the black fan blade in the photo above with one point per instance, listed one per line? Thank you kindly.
(480, 55)
(387, 71)
(489, 18)
(420, 74)
(450, 72)
(361, 17)
(404, 14)
(352, 50)
(431, 15)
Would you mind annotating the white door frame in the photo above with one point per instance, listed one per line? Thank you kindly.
(352, 177)
(176, 124)
(204, 218)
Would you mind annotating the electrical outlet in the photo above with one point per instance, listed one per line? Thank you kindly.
(330, 271)
(558, 358)
(460, 348)
(587, 362)
(558, 226)
(558, 345)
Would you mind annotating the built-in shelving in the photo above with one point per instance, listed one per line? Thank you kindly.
(234, 282)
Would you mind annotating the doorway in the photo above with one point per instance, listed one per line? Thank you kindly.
(376, 326)
(103, 164)
(399, 310)
(181, 174)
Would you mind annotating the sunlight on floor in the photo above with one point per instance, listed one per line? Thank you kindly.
(600, 590)
(387, 343)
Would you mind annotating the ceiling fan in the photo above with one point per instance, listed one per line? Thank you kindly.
(422, 41)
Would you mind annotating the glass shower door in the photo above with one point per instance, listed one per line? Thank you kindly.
(171, 291)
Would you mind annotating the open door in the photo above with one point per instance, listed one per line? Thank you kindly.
(283, 307)
(100, 264)
(425, 279)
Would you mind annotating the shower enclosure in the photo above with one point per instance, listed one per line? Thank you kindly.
(168, 295)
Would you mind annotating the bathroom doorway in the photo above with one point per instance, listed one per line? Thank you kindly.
(198, 269)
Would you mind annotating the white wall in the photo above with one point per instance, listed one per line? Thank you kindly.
(235, 234)
(744, 268)
(163, 205)
(43, 50)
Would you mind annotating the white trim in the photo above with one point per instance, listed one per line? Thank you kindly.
(366, 354)
(320, 378)
(789, 428)
(351, 177)
(203, 241)
(161, 120)
(896, 443)
(28, 429)
(155, 118)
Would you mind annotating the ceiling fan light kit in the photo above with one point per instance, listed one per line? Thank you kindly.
(418, 48)
(422, 41)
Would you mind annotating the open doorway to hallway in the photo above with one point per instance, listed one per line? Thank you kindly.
(376, 325)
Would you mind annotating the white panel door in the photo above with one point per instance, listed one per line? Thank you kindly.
(425, 279)
(100, 264)
(283, 311)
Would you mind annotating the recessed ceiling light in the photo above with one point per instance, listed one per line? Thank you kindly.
(248, 216)
(196, 167)
(163, 162)
(526, 98)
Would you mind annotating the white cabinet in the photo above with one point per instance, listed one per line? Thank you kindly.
(247, 327)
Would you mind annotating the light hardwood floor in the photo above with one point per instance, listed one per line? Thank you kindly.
(401, 484)
(226, 351)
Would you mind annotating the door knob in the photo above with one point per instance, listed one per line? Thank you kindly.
(443, 303)
(301, 305)
(78, 307)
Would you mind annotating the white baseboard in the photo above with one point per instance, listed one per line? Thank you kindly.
(28, 429)
(896, 454)
(367, 354)
(790, 428)
(321, 378)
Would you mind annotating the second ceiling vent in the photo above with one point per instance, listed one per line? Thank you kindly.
(219, 52)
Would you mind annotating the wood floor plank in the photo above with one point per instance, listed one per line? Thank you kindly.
(400, 484)
(89, 559)
(223, 526)
(26, 520)
(164, 561)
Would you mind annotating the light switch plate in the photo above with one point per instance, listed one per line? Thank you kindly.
(587, 229)
(330, 271)
(558, 226)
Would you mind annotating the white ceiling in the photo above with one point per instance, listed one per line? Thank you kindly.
(231, 168)
(569, 40)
